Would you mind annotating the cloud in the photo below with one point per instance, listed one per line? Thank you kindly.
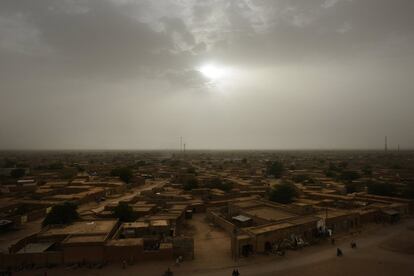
(120, 70)
(129, 39)
(17, 35)
(329, 3)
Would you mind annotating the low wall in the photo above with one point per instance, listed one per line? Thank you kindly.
(40, 259)
(22, 243)
(162, 254)
(183, 246)
(123, 253)
(222, 222)
(83, 254)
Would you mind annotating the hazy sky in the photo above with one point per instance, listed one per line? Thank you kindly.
(253, 74)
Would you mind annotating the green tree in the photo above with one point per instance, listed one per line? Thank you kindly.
(332, 167)
(124, 173)
(68, 173)
(190, 183)
(330, 173)
(367, 170)
(275, 168)
(382, 189)
(17, 173)
(8, 163)
(283, 193)
(349, 176)
(56, 166)
(408, 191)
(343, 164)
(61, 214)
(351, 187)
(300, 178)
(396, 166)
(140, 163)
(217, 183)
(124, 212)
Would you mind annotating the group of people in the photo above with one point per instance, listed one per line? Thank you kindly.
(339, 251)
(235, 272)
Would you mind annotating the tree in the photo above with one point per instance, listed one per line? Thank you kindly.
(396, 166)
(349, 176)
(351, 187)
(190, 183)
(124, 173)
(275, 168)
(382, 189)
(283, 193)
(8, 163)
(408, 191)
(367, 170)
(56, 166)
(343, 164)
(68, 173)
(332, 167)
(217, 183)
(330, 173)
(124, 212)
(300, 178)
(140, 163)
(17, 173)
(61, 214)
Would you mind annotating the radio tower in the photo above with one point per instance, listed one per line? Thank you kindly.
(386, 144)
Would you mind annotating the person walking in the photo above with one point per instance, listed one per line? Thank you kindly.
(168, 272)
(235, 272)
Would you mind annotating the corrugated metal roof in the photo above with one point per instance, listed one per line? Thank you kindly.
(241, 218)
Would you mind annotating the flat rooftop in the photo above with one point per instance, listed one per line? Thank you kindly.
(331, 213)
(269, 228)
(269, 213)
(97, 227)
(85, 239)
(37, 247)
(126, 242)
(304, 220)
(137, 224)
(159, 222)
(246, 204)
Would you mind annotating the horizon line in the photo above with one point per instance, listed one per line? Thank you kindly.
(216, 149)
